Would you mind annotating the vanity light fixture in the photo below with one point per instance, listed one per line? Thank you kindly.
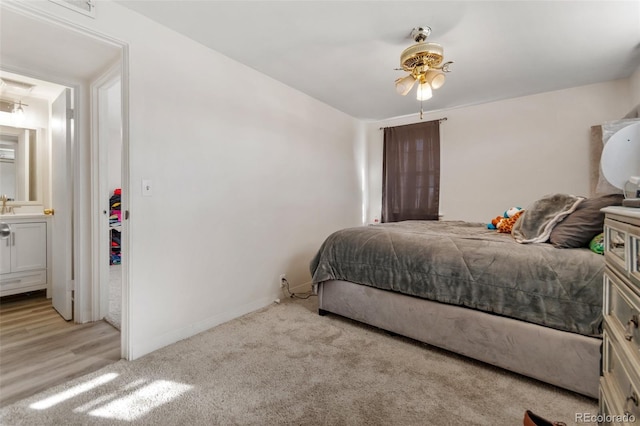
(14, 89)
(18, 113)
(423, 62)
(16, 108)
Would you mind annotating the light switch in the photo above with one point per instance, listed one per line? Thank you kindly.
(147, 188)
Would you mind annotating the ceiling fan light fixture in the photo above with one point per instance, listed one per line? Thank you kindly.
(405, 84)
(424, 92)
(421, 54)
(424, 63)
(435, 79)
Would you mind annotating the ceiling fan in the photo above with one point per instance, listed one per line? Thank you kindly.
(424, 63)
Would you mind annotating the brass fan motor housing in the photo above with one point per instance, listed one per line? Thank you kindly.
(430, 55)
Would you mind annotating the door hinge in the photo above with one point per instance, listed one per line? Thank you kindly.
(71, 113)
(126, 215)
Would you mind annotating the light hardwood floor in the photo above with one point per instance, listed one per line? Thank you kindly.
(39, 349)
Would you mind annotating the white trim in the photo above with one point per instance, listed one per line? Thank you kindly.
(125, 236)
(31, 10)
(99, 225)
(302, 288)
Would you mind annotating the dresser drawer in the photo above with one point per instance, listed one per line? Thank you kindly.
(616, 245)
(621, 379)
(22, 281)
(622, 311)
(634, 258)
(607, 408)
(622, 250)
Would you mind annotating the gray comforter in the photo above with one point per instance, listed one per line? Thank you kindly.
(466, 264)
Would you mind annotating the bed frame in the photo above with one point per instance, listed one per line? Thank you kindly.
(564, 359)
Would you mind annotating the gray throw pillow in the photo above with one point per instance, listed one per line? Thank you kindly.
(579, 228)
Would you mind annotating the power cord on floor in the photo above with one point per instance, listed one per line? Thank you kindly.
(284, 284)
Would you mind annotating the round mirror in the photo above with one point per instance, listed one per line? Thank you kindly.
(621, 156)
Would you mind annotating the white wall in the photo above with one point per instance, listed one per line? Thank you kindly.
(249, 176)
(509, 153)
(634, 88)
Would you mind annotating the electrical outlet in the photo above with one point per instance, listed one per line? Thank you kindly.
(283, 278)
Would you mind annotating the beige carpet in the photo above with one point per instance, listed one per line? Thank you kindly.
(285, 364)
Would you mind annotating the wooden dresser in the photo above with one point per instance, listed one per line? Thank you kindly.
(620, 381)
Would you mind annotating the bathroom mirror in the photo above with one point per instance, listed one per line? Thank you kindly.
(20, 177)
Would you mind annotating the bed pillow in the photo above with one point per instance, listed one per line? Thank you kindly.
(540, 217)
(579, 228)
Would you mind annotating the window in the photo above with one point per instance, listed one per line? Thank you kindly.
(411, 172)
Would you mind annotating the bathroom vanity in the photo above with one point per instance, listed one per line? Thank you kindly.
(24, 253)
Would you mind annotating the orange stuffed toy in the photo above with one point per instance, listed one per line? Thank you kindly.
(505, 222)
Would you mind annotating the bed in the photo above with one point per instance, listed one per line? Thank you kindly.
(533, 309)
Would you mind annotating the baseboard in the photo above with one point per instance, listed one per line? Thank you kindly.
(301, 288)
(139, 348)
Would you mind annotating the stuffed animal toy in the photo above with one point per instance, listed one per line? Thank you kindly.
(512, 212)
(494, 222)
(505, 222)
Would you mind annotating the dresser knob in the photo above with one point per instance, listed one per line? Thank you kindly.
(633, 398)
(633, 323)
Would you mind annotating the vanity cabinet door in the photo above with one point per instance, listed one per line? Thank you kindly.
(5, 255)
(29, 246)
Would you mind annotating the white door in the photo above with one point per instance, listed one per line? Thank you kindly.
(61, 176)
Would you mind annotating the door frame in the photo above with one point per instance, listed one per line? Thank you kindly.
(85, 256)
(100, 227)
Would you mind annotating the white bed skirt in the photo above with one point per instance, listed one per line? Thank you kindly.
(564, 359)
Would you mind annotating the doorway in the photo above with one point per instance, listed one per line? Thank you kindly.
(43, 57)
(41, 344)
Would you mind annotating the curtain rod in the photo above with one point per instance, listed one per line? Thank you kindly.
(439, 119)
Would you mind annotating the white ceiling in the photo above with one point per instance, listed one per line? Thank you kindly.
(48, 51)
(344, 52)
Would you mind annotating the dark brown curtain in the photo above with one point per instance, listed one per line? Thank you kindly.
(411, 172)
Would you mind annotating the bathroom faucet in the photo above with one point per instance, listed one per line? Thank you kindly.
(5, 208)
